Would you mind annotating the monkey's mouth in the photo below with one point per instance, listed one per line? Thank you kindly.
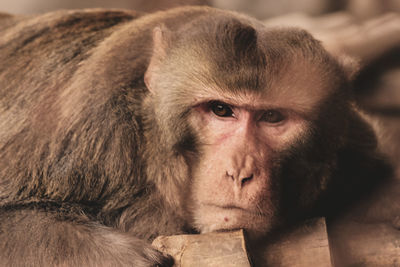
(238, 209)
(216, 218)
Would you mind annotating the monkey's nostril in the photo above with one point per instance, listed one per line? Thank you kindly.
(229, 175)
(245, 179)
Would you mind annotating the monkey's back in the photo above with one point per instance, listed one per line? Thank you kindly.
(36, 49)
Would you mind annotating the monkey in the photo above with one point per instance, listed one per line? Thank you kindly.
(117, 127)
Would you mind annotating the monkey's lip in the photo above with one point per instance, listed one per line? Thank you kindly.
(232, 207)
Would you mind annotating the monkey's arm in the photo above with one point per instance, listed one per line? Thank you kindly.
(49, 238)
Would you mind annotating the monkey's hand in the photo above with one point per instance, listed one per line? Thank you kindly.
(38, 238)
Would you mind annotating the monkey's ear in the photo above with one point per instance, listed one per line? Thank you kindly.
(160, 45)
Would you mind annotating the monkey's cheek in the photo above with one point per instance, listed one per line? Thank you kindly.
(213, 219)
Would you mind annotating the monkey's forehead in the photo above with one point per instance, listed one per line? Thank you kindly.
(239, 53)
(283, 75)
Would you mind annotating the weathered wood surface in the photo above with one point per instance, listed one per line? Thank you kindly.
(306, 245)
(206, 250)
(359, 244)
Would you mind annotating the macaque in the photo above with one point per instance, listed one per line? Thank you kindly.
(117, 127)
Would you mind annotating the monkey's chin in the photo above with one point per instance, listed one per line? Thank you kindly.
(213, 218)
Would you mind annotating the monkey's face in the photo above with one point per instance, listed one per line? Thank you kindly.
(242, 140)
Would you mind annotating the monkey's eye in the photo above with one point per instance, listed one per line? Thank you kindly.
(272, 116)
(220, 109)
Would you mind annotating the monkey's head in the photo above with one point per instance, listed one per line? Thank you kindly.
(262, 115)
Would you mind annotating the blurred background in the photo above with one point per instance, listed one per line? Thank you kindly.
(261, 9)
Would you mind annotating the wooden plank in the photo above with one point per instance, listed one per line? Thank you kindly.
(210, 250)
(361, 244)
(305, 245)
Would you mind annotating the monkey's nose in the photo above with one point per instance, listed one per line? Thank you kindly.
(240, 177)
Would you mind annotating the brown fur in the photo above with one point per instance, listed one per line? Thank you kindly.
(90, 161)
